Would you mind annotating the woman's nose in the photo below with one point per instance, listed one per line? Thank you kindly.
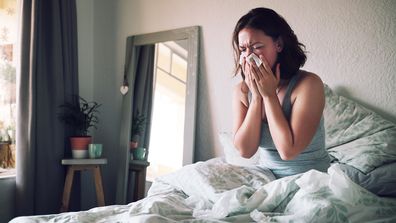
(248, 51)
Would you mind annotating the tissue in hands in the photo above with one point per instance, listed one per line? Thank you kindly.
(252, 57)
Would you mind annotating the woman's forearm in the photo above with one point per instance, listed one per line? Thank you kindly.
(247, 136)
(279, 127)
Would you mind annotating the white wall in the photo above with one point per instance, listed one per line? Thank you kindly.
(351, 44)
(85, 37)
(99, 81)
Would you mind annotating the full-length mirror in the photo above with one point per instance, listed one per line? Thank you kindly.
(158, 110)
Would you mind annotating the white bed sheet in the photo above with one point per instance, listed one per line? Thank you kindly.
(244, 194)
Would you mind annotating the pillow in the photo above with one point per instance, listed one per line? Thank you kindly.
(232, 156)
(346, 120)
(357, 136)
(380, 181)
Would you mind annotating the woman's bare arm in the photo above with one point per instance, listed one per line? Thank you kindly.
(246, 121)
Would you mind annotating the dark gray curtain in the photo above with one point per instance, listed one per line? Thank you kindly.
(143, 88)
(48, 77)
(139, 68)
(142, 101)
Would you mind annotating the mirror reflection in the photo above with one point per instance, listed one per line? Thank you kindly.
(166, 136)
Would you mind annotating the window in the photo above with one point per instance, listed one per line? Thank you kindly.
(167, 130)
(8, 60)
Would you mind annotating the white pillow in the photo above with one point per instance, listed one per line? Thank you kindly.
(232, 156)
(356, 135)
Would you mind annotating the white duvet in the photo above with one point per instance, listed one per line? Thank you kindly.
(214, 191)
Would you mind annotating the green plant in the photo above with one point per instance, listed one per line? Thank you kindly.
(81, 116)
(138, 125)
(4, 137)
(8, 101)
(7, 71)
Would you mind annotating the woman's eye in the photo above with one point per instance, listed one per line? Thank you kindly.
(258, 47)
(242, 49)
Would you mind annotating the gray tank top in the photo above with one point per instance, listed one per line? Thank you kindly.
(314, 156)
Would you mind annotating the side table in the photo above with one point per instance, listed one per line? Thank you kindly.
(80, 165)
(139, 168)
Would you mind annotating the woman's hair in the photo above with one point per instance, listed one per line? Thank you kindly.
(292, 56)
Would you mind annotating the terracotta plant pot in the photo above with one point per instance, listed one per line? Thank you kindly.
(133, 144)
(79, 146)
(80, 142)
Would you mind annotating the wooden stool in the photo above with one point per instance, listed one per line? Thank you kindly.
(80, 165)
(139, 168)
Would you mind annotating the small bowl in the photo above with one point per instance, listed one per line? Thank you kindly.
(79, 153)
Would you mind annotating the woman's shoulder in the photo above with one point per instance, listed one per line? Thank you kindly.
(309, 84)
(241, 91)
(307, 76)
(309, 81)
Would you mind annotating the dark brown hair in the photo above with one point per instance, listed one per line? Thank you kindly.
(292, 56)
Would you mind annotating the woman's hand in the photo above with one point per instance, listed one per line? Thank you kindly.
(249, 80)
(265, 81)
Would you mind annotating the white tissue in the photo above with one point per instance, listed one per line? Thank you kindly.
(252, 57)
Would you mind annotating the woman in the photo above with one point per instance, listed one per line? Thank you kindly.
(278, 108)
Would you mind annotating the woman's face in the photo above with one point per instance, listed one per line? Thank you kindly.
(256, 41)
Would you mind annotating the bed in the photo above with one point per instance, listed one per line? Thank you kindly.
(360, 185)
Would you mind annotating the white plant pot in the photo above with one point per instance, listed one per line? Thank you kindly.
(80, 153)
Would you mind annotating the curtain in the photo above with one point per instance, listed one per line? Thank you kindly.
(48, 77)
(143, 89)
(139, 73)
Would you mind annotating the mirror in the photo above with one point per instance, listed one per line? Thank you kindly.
(161, 74)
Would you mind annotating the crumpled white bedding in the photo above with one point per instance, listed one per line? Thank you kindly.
(214, 191)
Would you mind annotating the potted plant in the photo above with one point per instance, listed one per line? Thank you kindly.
(81, 117)
(138, 126)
